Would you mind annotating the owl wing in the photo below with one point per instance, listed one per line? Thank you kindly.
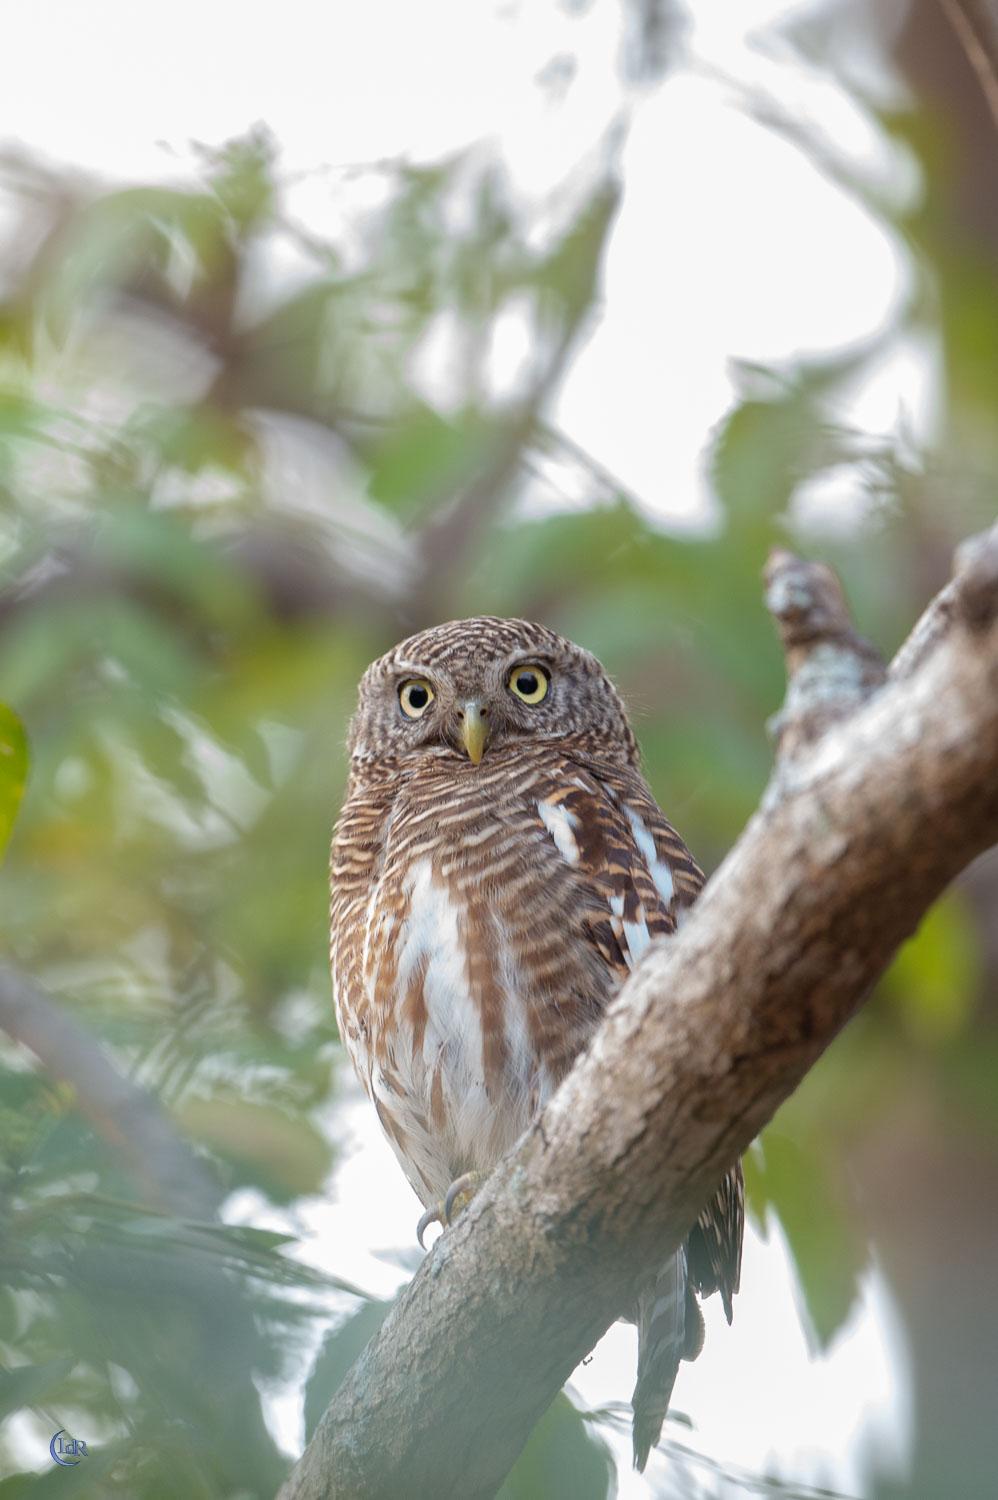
(605, 822)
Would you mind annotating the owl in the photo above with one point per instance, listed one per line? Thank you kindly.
(498, 868)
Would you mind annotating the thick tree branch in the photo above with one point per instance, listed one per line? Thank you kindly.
(884, 790)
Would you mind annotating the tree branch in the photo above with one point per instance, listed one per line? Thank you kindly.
(885, 788)
(977, 29)
(164, 1167)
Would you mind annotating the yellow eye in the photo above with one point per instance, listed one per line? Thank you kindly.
(529, 683)
(415, 697)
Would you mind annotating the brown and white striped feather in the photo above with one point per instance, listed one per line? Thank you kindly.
(482, 918)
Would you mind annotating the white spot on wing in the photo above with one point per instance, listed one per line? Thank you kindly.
(657, 868)
(559, 823)
(637, 937)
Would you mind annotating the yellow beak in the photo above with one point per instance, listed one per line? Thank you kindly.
(474, 732)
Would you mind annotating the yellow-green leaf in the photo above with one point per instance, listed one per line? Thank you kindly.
(934, 979)
(262, 1144)
(13, 770)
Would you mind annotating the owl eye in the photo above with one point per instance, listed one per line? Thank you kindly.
(529, 683)
(415, 697)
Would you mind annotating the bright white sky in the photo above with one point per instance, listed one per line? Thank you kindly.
(730, 244)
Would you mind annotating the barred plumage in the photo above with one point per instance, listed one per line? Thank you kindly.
(498, 867)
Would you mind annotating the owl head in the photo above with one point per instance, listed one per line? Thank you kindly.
(470, 688)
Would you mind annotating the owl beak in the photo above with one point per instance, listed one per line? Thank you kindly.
(474, 731)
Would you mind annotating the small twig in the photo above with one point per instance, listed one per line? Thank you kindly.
(977, 31)
(831, 669)
(162, 1164)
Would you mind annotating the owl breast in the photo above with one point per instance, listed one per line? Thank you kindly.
(466, 991)
(450, 1069)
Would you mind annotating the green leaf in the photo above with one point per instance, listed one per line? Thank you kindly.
(17, 1486)
(564, 1459)
(935, 978)
(569, 273)
(759, 455)
(265, 1146)
(341, 1347)
(27, 1384)
(244, 1250)
(13, 770)
(794, 1178)
(134, 233)
(425, 459)
(87, 1480)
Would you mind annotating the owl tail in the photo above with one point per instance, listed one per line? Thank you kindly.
(670, 1328)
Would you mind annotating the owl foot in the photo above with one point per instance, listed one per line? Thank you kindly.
(459, 1195)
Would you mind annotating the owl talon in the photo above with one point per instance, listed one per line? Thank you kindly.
(434, 1215)
(460, 1194)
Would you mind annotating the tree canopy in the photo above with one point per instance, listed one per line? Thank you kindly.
(224, 490)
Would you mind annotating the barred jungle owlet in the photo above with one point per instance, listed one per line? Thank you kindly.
(498, 867)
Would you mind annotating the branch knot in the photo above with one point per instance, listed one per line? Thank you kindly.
(831, 669)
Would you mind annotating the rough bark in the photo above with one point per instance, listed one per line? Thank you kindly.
(885, 787)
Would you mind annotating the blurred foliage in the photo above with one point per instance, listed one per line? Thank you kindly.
(565, 1459)
(13, 770)
(237, 461)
